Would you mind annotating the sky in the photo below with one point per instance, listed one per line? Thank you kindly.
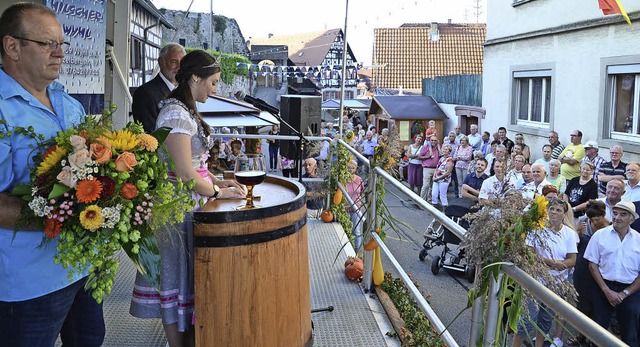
(257, 19)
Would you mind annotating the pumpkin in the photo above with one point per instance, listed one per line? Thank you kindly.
(354, 269)
(350, 260)
(326, 216)
(337, 197)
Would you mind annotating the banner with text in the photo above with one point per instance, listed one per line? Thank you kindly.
(84, 26)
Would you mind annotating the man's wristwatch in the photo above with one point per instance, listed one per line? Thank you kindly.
(626, 292)
(216, 191)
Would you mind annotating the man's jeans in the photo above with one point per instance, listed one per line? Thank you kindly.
(70, 311)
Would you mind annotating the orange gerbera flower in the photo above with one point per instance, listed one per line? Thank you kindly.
(88, 190)
(129, 191)
(52, 227)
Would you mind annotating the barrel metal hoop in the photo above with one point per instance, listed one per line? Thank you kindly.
(250, 214)
(250, 239)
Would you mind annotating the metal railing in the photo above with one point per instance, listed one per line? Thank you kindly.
(563, 309)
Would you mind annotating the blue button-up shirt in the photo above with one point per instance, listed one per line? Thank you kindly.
(27, 269)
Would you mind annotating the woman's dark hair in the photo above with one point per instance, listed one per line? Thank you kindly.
(596, 208)
(197, 63)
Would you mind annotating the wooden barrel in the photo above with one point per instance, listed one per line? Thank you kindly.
(252, 270)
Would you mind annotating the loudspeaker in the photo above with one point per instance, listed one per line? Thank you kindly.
(302, 112)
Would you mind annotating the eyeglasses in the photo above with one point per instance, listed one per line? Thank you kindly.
(49, 45)
(572, 135)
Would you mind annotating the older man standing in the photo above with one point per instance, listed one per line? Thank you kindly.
(614, 169)
(556, 146)
(632, 188)
(539, 173)
(368, 146)
(614, 192)
(147, 96)
(37, 296)
(571, 156)
(475, 139)
(591, 155)
(614, 263)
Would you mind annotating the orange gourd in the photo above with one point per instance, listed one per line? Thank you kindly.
(326, 216)
(337, 197)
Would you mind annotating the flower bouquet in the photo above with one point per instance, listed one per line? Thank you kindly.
(99, 191)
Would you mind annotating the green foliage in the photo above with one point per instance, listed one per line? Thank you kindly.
(418, 330)
(196, 29)
(339, 173)
(219, 24)
(228, 63)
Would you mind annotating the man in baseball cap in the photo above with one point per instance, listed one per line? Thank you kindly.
(614, 263)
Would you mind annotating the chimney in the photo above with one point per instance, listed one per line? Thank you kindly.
(270, 35)
(449, 20)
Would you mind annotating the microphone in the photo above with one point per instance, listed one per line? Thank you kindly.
(257, 103)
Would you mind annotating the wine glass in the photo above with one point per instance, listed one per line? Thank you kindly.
(249, 170)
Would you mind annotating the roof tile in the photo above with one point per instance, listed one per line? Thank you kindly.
(404, 56)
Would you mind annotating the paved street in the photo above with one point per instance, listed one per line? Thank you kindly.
(448, 290)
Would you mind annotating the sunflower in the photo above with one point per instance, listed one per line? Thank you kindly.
(50, 159)
(123, 140)
(148, 142)
(91, 218)
(88, 190)
(541, 203)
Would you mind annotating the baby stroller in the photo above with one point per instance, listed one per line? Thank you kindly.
(452, 258)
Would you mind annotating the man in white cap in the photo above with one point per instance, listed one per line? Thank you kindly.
(614, 262)
(591, 155)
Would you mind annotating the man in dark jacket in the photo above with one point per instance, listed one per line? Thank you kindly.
(148, 95)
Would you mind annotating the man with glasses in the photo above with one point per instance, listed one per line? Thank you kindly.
(475, 139)
(571, 156)
(610, 170)
(556, 146)
(614, 263)
(38, 298)
(147, 96)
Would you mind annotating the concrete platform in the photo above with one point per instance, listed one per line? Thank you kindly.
(357, 319)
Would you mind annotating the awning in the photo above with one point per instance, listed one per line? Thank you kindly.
(242, 120)
(334, 104)
(225, 112)
(407, 107)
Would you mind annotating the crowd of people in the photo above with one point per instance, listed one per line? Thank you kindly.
(592, 202)
(592, 206)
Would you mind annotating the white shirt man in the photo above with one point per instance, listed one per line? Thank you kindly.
(539, 177)
(613, 195)
(632, 188)
(475, 139)
(614, 263)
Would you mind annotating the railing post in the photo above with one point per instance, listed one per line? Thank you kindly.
(493, 310)
(371, 225)
(476, 316)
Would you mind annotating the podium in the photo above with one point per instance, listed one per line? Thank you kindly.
(251, 270)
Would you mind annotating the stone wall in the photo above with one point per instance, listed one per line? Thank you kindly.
(195, 30)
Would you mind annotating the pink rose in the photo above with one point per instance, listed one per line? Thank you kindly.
(78, 143)
(79, 159)
(65, 177)
(125, 162)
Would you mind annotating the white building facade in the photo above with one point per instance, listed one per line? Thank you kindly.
(563, 65)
